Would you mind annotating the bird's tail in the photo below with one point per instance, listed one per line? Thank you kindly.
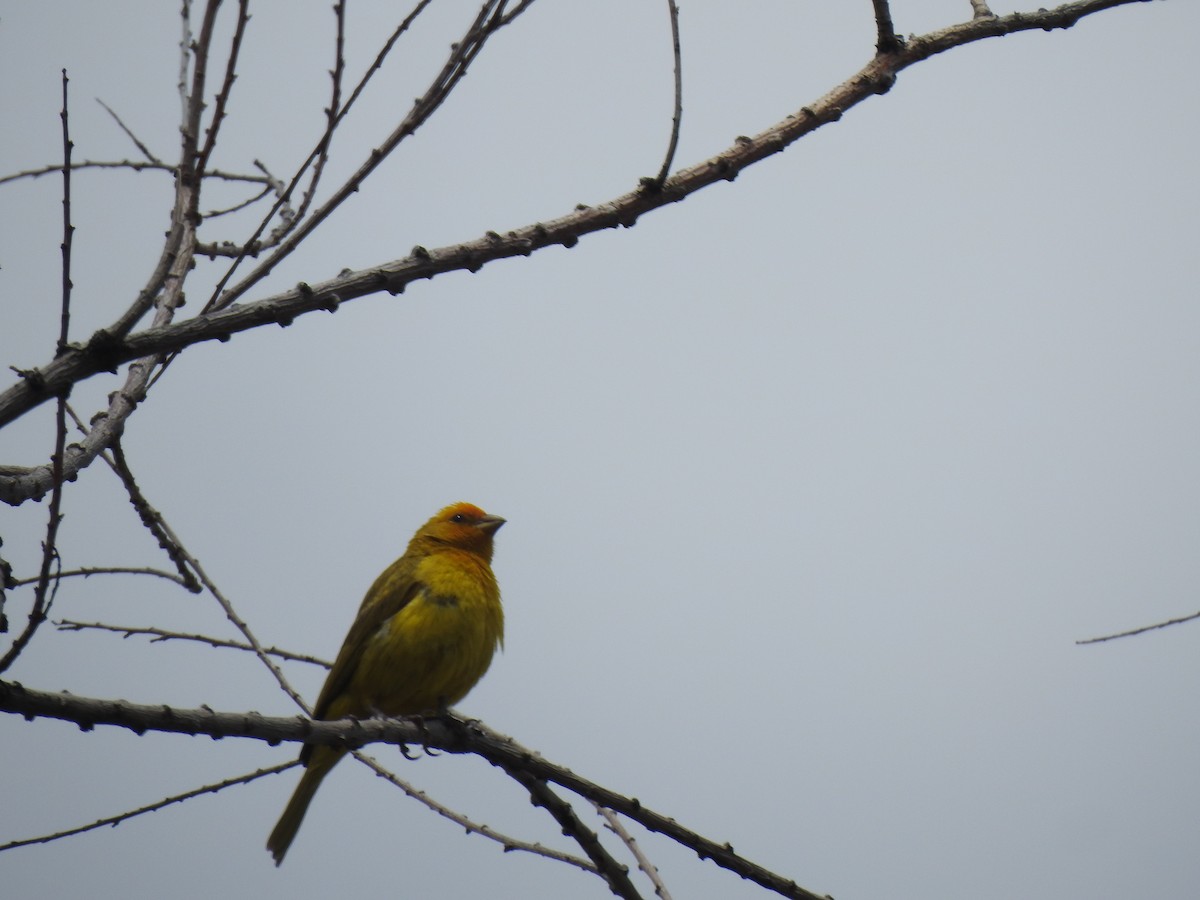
(323, 759)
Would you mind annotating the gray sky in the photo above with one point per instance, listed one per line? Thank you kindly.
(812, 481)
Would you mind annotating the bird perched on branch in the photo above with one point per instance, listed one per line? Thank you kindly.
(424, 635)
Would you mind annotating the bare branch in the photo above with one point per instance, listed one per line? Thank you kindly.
(887, 41)
(677, 118)
(613, 822)
(68, 241)
(165, 288)
(615, 874)
(980, 10)
(47, 585)
(214, 126)
(215, 250)
(283, 209)
(253, 244)
(88, 571)
(133, 137)
(489, 20)
(103, 352)
(185, 44)
(153, 807)
(461, 737)
(159, 634)
(7, 582)
(505, 752)
(333, 115)
(509, 843)
(133, 166)
(193, 566)
(462, 54)
(1142, 630)
(515, 11)
(153, 520)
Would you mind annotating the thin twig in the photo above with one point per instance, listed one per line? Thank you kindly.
(133, 166)
(284, 207)
(515, 11)
(227, 248)
(240, 625)
(615, 874)
(133, 137)
(332, 117)
(164, 288)
(189, 567)
(253, 243)
(677, 118)
(1142, 630)
(185, 44)
(887, 40)
(980, 10)
(613, 822)
(153, 807)
(36, 386)
(192, 157)
(507, 842)
(152, 519)
(505, 752)
(87, 571)
(7, 583)
(214, 126)
(473, 737)
(64, 325)
(47, 584)
(214, 250)
(462, 55)
(160, 634)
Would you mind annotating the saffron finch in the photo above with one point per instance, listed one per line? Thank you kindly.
(424, 635)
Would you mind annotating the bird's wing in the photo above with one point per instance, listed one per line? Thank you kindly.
(373, 613)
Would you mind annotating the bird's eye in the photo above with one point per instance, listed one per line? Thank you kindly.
(458, 517)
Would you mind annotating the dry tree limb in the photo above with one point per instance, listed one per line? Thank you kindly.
(110, 821)
(887, 41)
(104, 351)
(461, 737)
(1142, 630)
(47, 580)
(613, 823)
(677, 118)
(161, 634)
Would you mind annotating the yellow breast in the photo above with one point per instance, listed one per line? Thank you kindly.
(432, 652)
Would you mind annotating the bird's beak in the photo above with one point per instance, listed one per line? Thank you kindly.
(490, 524)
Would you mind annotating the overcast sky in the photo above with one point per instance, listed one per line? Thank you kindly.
(812, 481)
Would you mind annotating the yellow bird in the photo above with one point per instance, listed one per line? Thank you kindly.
(424, 635)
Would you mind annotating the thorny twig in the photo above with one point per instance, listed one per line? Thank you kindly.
(152, 807)
(564, 814)
(613, 822)
(47, 583)
(160, 634)
(509, 843)
(88, 571)
(624, 211)
(133, 137)
(462, 54)
(462, 737)
(152, 519)
(677, 117)
(1142, 630)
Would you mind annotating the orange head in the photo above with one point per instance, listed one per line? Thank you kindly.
(461, 525)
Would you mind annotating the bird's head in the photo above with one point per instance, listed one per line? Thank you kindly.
(462, 525)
